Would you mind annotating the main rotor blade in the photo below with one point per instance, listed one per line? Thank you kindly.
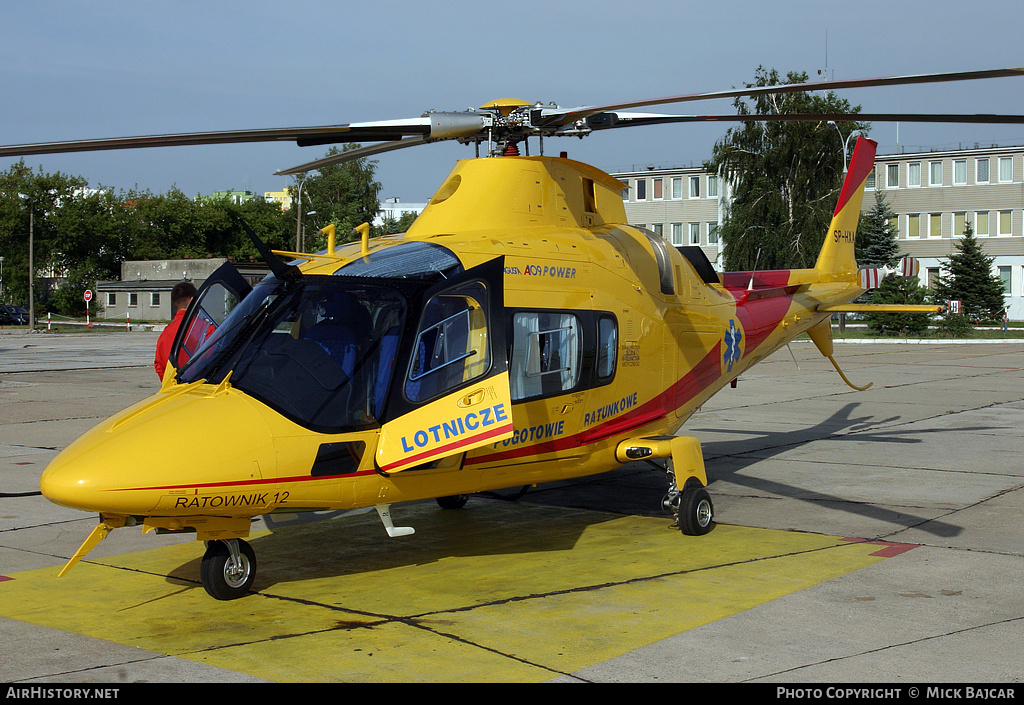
(436, 125)
(354, 154)
(575, 114)
(631, 120)
(302, 135)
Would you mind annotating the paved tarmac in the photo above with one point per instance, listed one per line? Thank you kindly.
(926, 465)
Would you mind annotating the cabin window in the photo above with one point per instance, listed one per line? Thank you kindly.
(607, 347)
(546, 347)
(451, 347)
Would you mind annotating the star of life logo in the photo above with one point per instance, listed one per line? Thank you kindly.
(733, 338)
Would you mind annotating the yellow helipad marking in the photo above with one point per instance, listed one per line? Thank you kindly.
(494, 592)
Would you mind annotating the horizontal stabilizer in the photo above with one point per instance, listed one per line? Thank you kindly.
(879, 308)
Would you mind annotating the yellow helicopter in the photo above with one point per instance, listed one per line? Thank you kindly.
(520, 332)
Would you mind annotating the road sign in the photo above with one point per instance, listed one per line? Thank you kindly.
(87, 295)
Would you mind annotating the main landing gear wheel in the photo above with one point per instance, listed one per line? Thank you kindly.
(695, 512)
(228, 569)
(455, 501)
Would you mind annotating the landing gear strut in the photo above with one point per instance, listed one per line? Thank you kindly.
(228, 568)
(690, 506)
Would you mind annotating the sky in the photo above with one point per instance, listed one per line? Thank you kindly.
(74, 69)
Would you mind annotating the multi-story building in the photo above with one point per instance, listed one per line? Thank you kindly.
(284, 197)
(682, 205)
(934, 195)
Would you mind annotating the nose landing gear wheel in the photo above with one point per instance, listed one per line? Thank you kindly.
(228, 569)
(695, 512)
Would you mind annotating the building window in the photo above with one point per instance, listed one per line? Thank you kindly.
(694, 187)
(133, 299)
(892, 175)
(981, 171)
(641, 189)
(1004, 277)
(712, 186)
(694, 233)
(1005, 169)
(960, 171)
(154, 298)
(914, 225)
(932, 277)
(914, 174)
(959, 223)
(935, 225)
(658, 194)
(935, 174)
(677, 234)
(1005, 223)
(677, 187)
(111, 298)
(659, 229)
(712, 233)
(981, 223)
(870, 183)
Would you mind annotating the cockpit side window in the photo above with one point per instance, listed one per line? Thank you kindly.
(451, 345)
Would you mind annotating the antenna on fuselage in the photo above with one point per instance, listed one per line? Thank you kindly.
(757, 258)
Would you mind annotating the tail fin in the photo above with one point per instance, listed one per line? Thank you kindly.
(837, 260)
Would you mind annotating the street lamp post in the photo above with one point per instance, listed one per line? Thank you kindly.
(846, 143)
(31, 263)
(298, 214)
(31, 269)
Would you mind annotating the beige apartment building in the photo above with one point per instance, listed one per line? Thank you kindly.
(934, 194)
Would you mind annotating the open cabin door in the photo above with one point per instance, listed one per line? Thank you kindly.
(220, 293)
(452, 391)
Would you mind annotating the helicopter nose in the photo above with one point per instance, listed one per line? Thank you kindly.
(148, 453)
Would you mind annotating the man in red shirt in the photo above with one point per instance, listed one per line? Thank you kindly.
(181, 297)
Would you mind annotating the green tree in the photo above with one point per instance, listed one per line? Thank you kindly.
(971, 280)
(344, 194)
(785, 176)
(32, 200)
(898, 290)
(876, 243)
(401, 224)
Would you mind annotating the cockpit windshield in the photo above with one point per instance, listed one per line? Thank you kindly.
(319, 349)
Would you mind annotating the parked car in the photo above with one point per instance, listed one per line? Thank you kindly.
(13, 316)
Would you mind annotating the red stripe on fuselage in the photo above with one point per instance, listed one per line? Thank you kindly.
(703, 375)
(760, 307)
